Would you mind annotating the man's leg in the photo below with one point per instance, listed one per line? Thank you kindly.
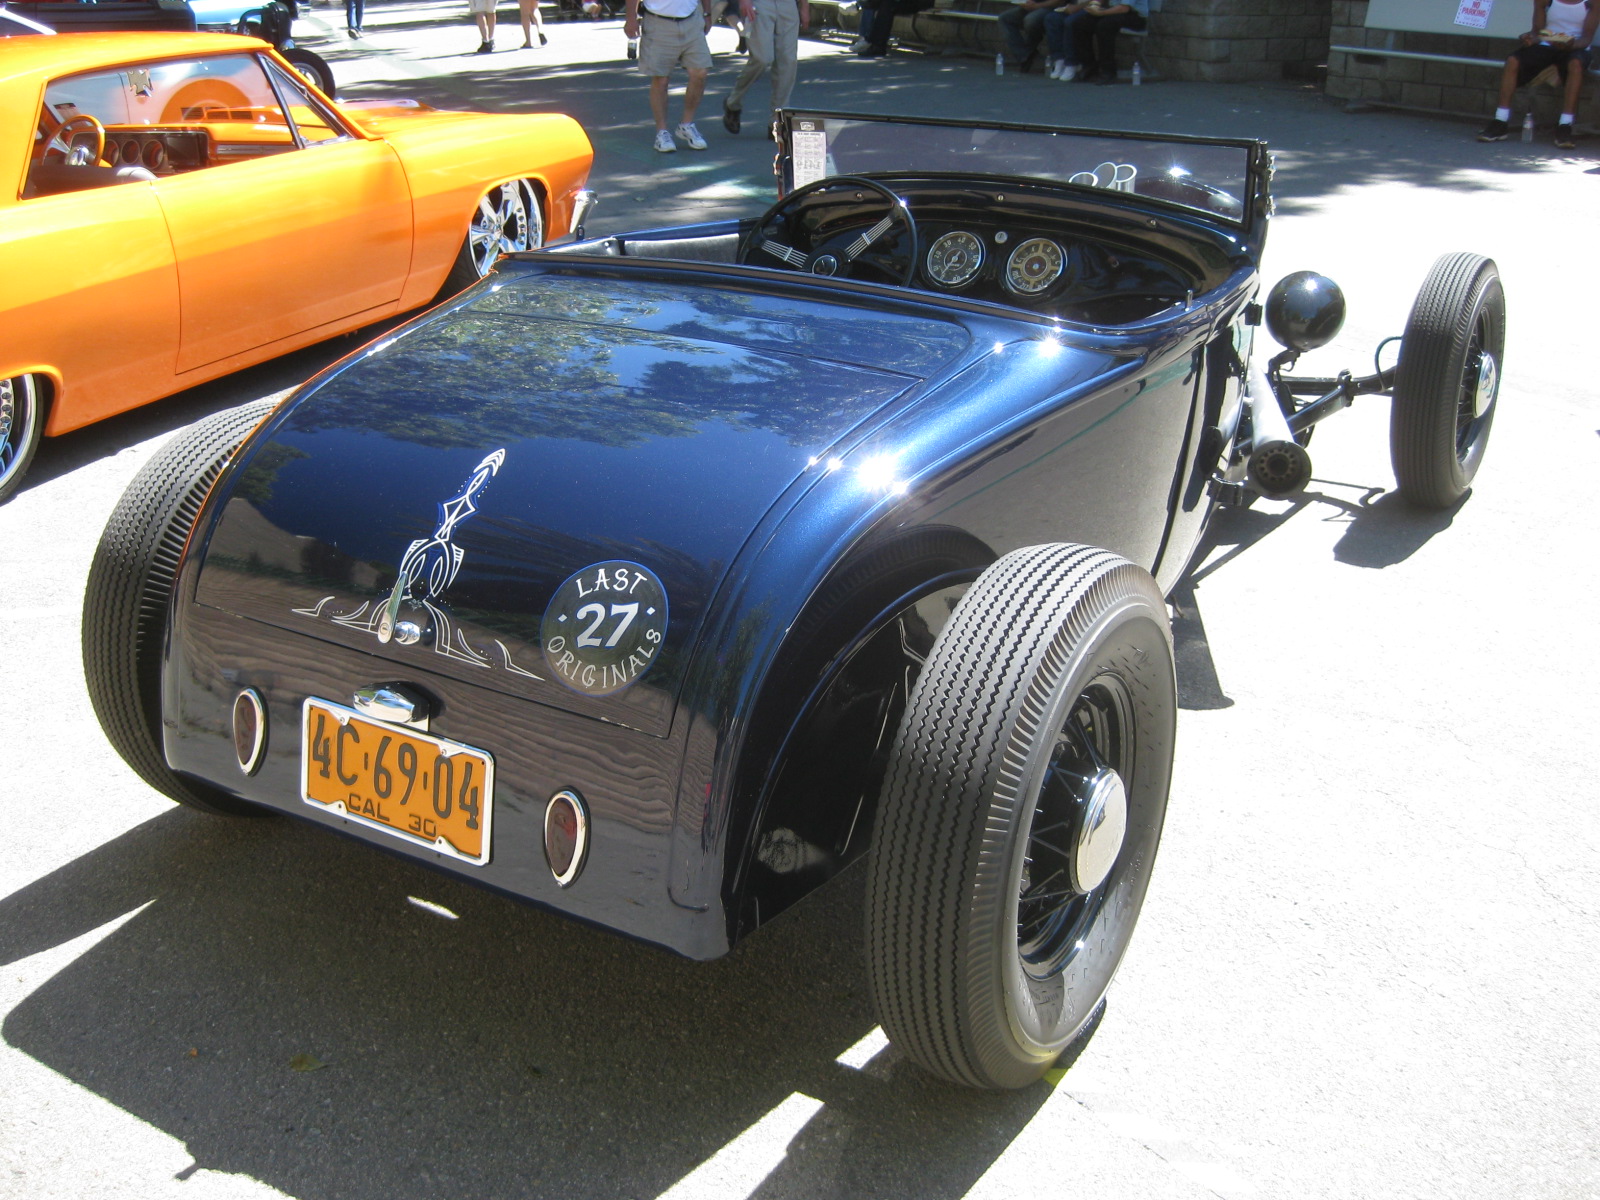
(882, 28)
(1499, 128)
(759, 37)
(1508, 83)
(1011, 29)
(1105, 44)
(1033, 29)
(785, 52)
(1080, 36)
(658, 99)
(1575, 68)
(691, 94)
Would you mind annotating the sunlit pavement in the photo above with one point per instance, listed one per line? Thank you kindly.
(1367, 966)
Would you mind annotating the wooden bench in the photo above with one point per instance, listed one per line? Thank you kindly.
(1549, 77)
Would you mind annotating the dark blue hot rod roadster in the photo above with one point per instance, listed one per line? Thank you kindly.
(658, 577)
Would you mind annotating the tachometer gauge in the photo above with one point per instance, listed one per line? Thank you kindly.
(1034, 266)
(955, 258)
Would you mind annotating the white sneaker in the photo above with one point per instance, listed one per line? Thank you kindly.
(690, 135)
(857, 46)
(1055, 68)
(1068, 72)
(664, 142)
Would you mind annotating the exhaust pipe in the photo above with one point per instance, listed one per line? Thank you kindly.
(1278, 464)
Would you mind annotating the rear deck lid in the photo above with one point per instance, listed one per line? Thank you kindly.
(541, 492)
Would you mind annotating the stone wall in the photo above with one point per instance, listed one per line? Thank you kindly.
(1433, 86)
(1232, 41)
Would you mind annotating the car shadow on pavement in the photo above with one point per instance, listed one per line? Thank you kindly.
(1384, 529)
(1381, 530)
(496, 1051)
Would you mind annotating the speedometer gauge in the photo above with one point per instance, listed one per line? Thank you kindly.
(1034, 266)
(955, 258)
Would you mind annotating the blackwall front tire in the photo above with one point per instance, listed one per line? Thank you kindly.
(508, 218)
(313, 66)
(130, 583)
(1446, 385)
(22, 414)
(1020, 815)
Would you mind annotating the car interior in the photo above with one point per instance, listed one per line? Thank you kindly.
(1059, 249)
(145, 122)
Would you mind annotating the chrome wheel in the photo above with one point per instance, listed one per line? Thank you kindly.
(507, 220)
(21, 421)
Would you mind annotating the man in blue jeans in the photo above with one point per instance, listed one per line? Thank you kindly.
(1083, 38)
(1022, 25)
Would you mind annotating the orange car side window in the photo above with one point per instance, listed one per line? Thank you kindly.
(145, 121)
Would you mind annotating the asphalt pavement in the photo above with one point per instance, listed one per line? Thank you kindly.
(1367, 966)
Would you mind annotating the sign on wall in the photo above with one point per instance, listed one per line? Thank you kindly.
(1480, 18)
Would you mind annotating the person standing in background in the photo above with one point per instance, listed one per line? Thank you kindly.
(531, 20)
(772, 29)
(672, 33)
(354, 11)
(483, 14)
(727, 11)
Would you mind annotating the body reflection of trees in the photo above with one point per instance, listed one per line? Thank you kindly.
(480, 380)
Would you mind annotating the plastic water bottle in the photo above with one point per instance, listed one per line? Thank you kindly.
(1138, 75)
(999, 64)
(633, 49)
(1527, 128)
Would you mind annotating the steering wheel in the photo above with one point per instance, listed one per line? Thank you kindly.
(833, 245)
(60, 143)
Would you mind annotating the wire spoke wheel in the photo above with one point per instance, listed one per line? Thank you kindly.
(1447, 384)
(1064, 866)
(1021, 812)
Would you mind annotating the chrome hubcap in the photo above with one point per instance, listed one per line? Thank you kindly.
(1486, 385)
(1104, 817)
(506, 221)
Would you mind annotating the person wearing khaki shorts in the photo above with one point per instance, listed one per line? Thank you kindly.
(672, 33)
(773, 28)
(483, 13)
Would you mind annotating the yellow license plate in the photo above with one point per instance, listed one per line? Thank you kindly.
(427, 790)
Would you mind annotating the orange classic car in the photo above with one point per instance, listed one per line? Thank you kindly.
(175, 206)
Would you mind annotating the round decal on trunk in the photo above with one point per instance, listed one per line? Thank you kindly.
(604, 627)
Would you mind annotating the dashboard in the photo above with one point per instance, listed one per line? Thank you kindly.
(1081, 254)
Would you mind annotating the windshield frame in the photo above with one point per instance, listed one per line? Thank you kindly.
(1255, 203)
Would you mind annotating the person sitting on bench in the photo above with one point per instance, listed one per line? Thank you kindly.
(1560, 38)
